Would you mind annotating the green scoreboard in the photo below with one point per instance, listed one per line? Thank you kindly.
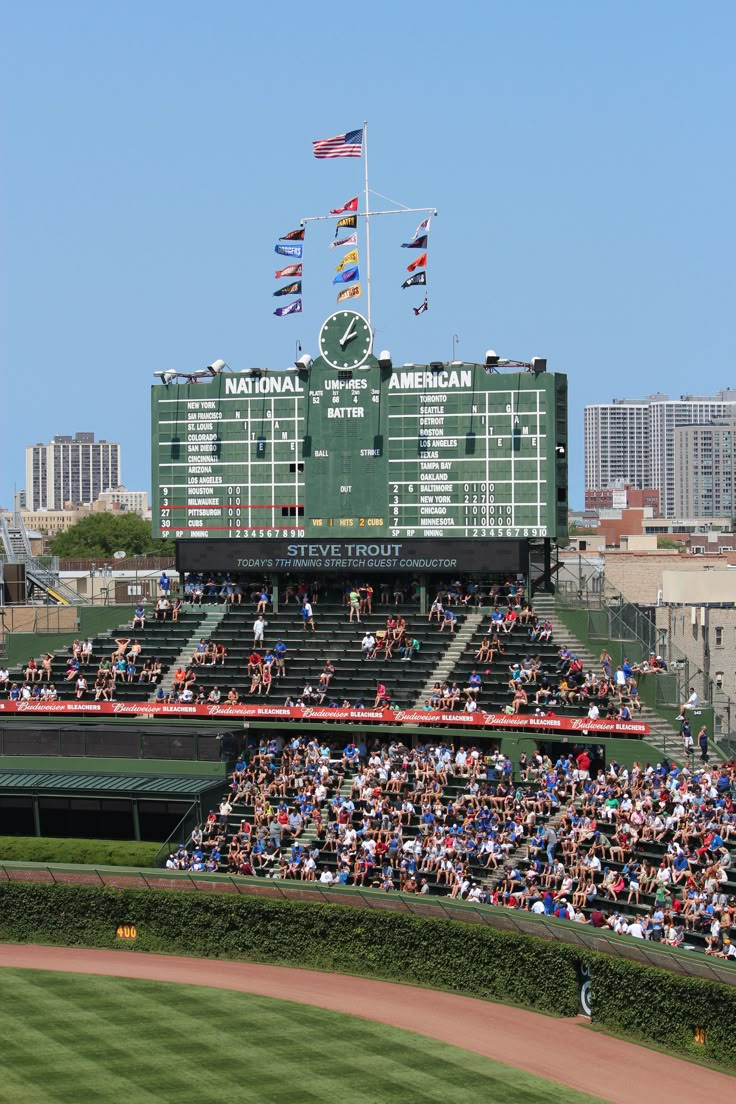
(371, 451)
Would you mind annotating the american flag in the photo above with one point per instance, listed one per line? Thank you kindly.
(349, 144)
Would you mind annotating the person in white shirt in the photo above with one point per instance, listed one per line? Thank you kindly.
(635, 929)
(259, 628)
(692, 702)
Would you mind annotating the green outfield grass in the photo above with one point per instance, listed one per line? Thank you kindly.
(93, 1040)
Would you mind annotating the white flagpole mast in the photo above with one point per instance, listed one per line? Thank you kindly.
(367, 225)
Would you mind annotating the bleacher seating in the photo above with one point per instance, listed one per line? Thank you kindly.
(158, 639)
(335, 638)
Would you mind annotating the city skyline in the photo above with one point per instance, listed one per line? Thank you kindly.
(633, 441)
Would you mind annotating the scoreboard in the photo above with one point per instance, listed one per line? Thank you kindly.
(379, 452)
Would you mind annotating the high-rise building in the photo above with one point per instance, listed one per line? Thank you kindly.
(634, 440)
(616, 444)
(705, 469)
(70, 470)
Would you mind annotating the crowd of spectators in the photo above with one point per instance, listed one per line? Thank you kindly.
(662, 832)
(641, 850)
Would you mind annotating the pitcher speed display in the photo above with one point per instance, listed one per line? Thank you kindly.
(379, 452)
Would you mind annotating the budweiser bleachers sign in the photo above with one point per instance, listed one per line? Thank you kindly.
(321, 713)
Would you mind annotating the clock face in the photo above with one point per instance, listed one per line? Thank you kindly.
(345, 340)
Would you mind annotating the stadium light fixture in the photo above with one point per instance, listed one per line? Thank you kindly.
(539, 364)
(167, 377)
(492, 360)
(304, 363)
(384, 360)
(216, 367)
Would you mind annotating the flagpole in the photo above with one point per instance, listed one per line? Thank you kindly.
(367, 225)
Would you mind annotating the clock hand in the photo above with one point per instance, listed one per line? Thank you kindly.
(347, 335)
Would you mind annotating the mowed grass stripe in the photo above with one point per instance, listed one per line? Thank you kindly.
(80, 1039)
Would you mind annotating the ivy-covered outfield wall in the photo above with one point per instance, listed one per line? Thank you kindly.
(652, 1005)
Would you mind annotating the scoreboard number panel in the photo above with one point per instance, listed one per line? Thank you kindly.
(413, 452)
(227, 460)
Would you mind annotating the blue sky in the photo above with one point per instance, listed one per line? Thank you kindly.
(581, 157)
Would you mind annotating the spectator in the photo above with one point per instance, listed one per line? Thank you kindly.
(449, 621)
(279, 652)
(692, 702)
(163, 607)
(381, 695)
(259, 629)
(307, 615)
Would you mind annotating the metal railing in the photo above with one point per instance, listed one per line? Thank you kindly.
(688, 963)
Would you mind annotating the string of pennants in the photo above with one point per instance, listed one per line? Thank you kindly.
(347, 277)
(348, 270)
(294, 248)
(418, 268)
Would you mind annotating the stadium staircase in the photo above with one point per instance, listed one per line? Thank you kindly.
(41, 580)
(662, 735)
(204, 624)
(443, 669)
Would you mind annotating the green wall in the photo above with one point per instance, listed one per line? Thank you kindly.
(104, 765)
(92, 620)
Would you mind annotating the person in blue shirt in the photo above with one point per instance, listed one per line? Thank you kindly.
(164, 583)
(349, 755)
(449, 621)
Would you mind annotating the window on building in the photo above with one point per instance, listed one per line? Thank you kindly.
(719, 636)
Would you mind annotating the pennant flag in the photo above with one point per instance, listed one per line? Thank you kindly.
(420, 262)
(417, 278)
(293, 235)
(418, 243)
(351, 205)
(290, 289)
(349, 220)
(422, 228)
(351, 240)
(290, 270)
(289, 250)
(421, 309)
(348, 259)
(348, 276)
(349, 144)
(349, 293)
(293, 308)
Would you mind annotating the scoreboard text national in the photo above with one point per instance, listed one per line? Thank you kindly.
(378, 453)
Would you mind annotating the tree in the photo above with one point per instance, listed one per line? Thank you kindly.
(104, 534)
(670, 542)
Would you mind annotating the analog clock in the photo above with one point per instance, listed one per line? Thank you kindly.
(345, 340)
